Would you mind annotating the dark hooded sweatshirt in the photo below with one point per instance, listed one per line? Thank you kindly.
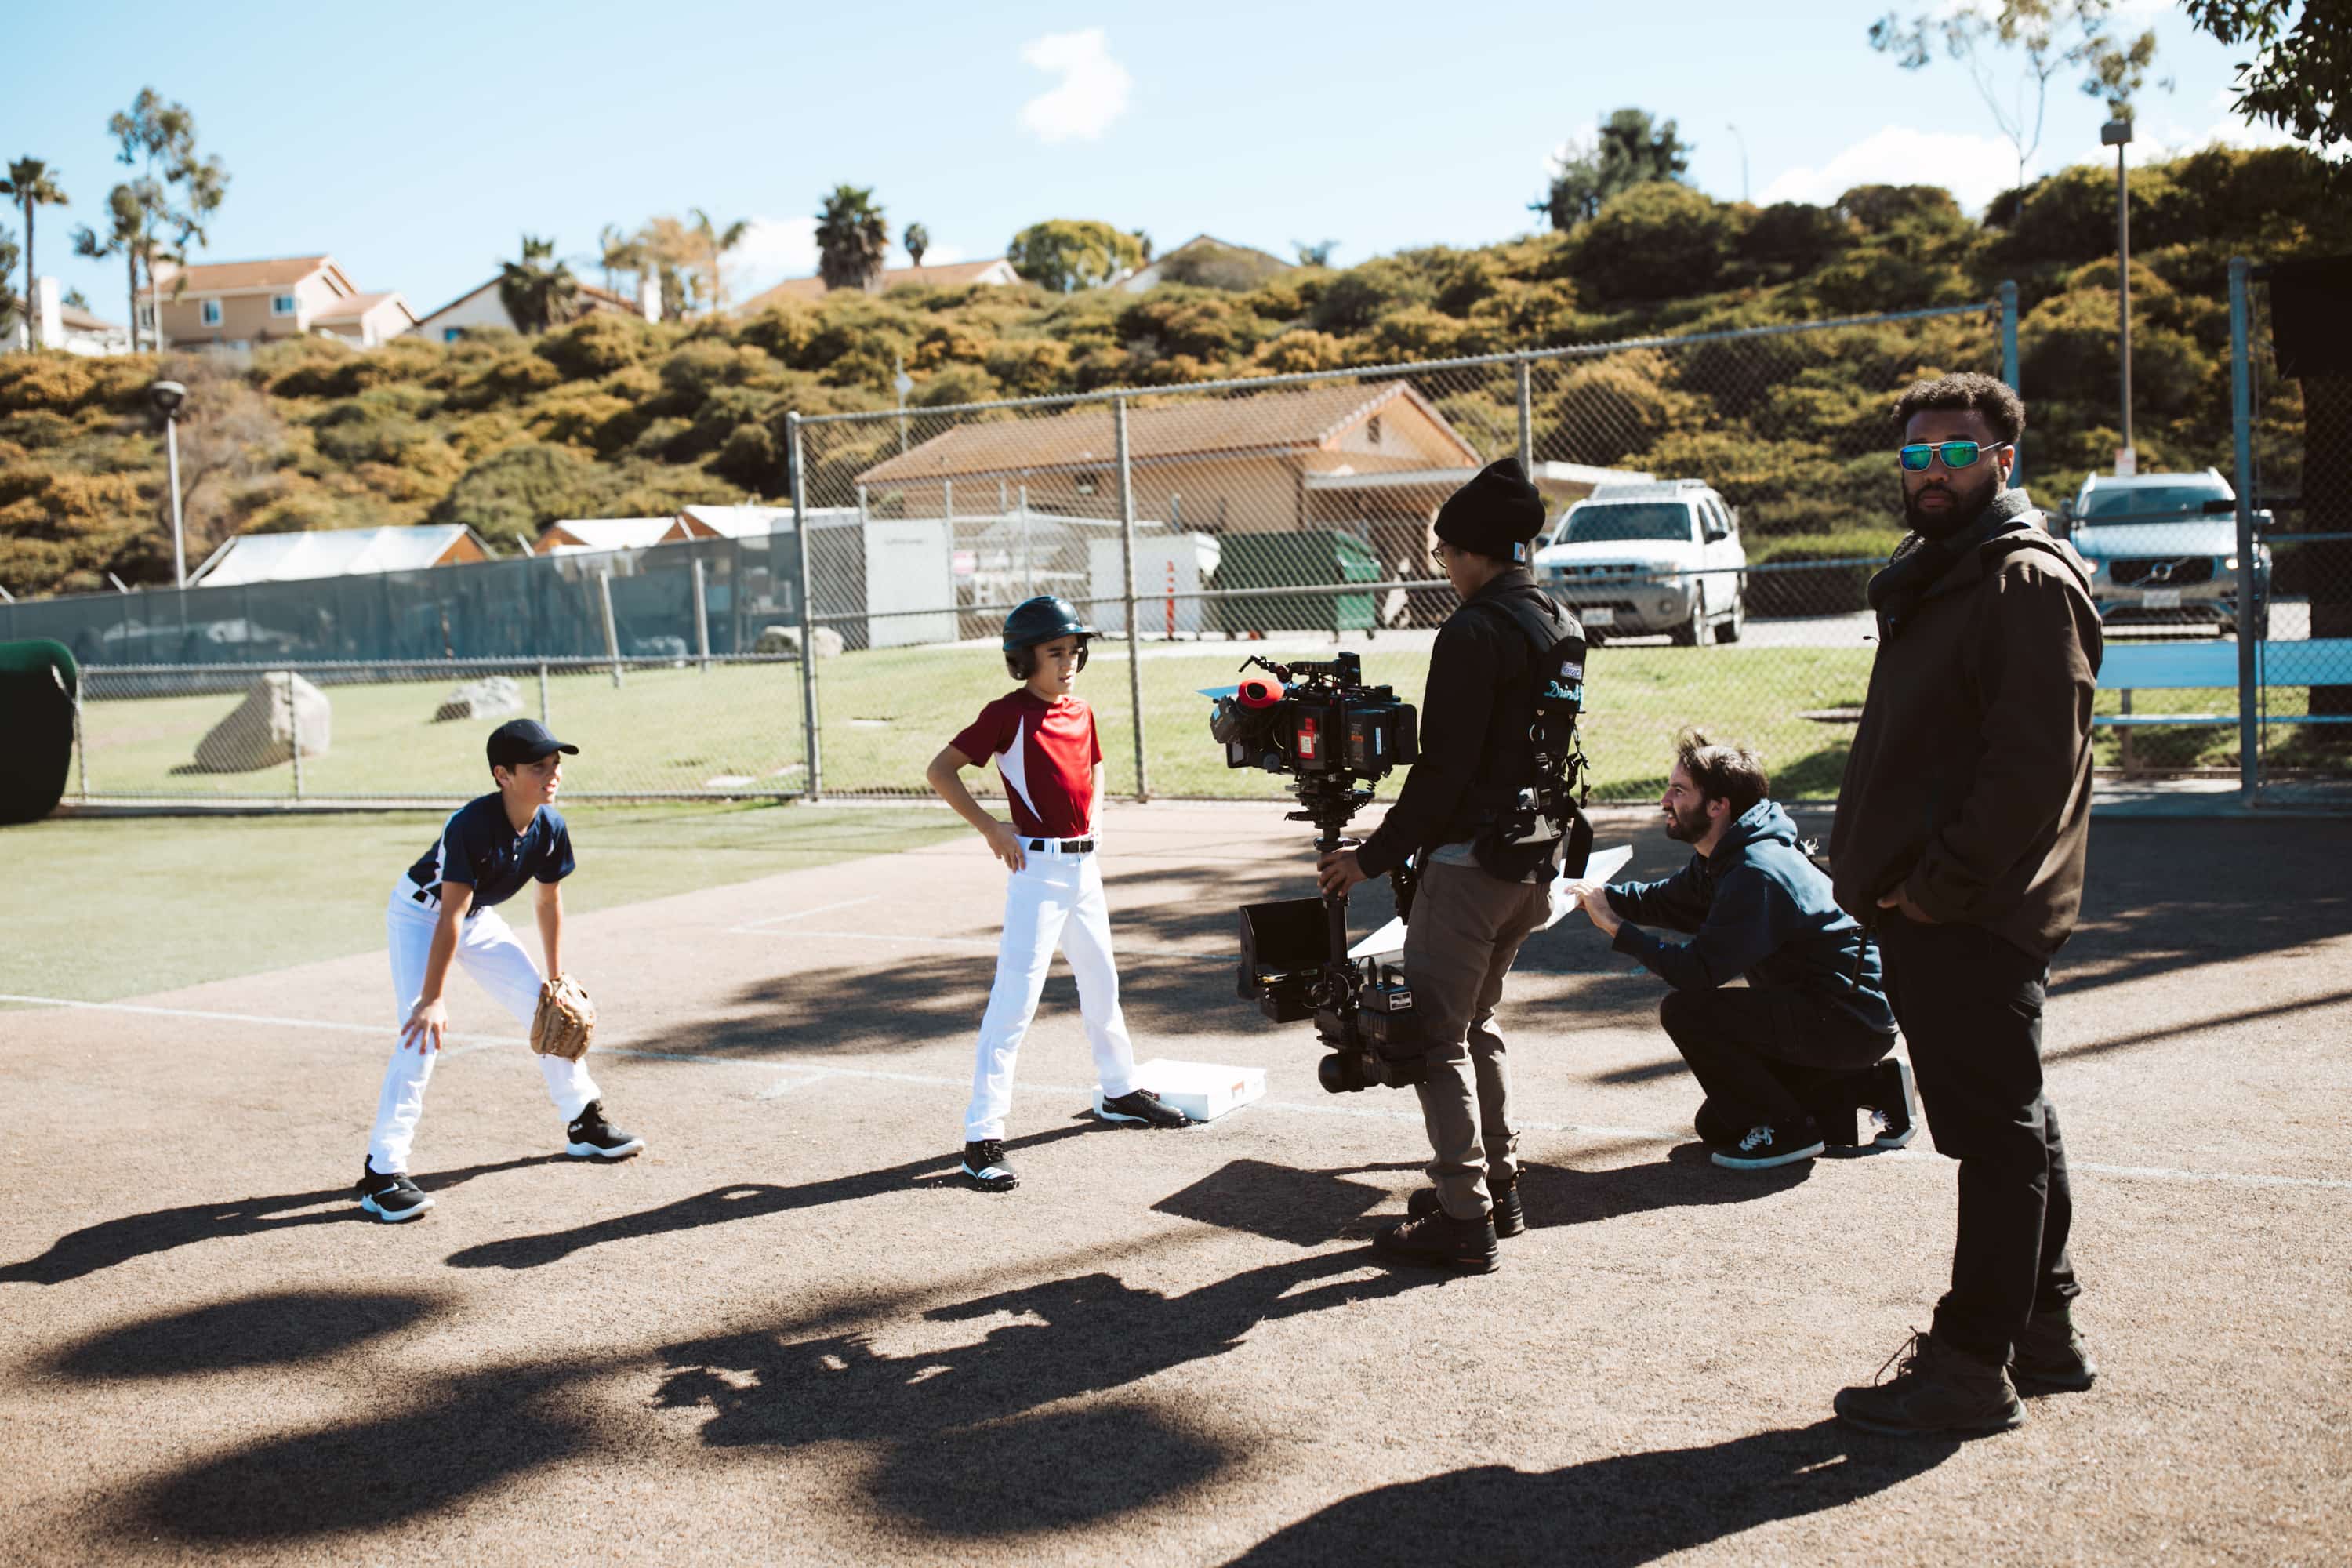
(1969, 782)
(1761, 910)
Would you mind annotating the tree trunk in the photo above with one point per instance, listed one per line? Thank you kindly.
(2328, 508)
(31, 311)
(130, 265)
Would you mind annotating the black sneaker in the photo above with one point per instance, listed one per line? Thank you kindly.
(1939, 1389)
(1440, 1241)
(392, 1198)
(1894, 1104)
(1509, 1217)
(594, 1138)
(2050, 1357)
(984, 1167)
(1142, 1108)
(1765, 1146)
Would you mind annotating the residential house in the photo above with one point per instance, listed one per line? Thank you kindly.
(57, 325)
(337, 553)
(573, 533)
(234, 304)
(481, 309)
(946, 275)
(1207, 262)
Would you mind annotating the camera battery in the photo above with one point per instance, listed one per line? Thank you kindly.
(1385, 1013)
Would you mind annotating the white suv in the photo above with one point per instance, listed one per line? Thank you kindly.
(2163, 548)
(1641, 560)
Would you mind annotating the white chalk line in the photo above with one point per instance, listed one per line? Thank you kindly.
(767, 921)
(977, 944)
(797, 1076)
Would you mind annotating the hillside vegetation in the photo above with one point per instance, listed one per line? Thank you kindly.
(612, 417)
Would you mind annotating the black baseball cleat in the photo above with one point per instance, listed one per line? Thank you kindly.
(1142, 1108)
(984, 1167)
(1440, 1241)
(1508, 1215)
(391, 1198)
(1764, 1147)
(1894, 1104)
(590, 1137)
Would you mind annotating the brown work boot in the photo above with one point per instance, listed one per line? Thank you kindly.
(1440, 1241)
(1938, 1390)
(1510, 1216)
(2050, 1357)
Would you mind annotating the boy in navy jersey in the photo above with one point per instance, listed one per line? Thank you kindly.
(442, 910)
(1044, 741)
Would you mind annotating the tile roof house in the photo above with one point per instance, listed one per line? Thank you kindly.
(1207, 262)
(946, 275)
(479, 308)
(605, 533)
(336, 552)
(232, 304)
(57, 325)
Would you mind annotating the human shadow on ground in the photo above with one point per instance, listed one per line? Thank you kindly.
(1613, 1512)
(966, 1454)
(113, 1241)
(1306, 1208)
(276, 1329)
(1686, 1178)
(737, 1200)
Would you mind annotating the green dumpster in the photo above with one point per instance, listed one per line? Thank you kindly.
(1295, 560)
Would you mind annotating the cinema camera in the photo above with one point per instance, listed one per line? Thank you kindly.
(1335, 736)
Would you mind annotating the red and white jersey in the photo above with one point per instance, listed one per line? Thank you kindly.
(1046, 753)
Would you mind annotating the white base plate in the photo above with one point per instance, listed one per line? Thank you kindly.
(1202, 1090)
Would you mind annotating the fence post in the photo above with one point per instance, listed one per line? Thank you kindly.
(81, 746)
(812, 775)
(1526, 418)
(2009, 365)
(543, 691)
(294, 731)
(701, 617)
(612, 632)
(2242, 444)
(1127, 588)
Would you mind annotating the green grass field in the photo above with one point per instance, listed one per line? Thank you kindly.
(99, 909)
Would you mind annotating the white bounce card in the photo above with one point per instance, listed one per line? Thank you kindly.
(1598, 866)
(1202, 1090)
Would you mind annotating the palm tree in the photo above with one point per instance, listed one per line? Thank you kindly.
(618, 250)
(715, 243)
(126, 223)
(538, 292)
(852, 239)
(32, 185)
(916, 240)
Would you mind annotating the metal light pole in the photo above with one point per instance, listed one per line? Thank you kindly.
(1743, 160)
(2118, 133)
(167, 396)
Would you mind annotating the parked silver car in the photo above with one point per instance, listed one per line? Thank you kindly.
(1638, 560)
(2163, 548)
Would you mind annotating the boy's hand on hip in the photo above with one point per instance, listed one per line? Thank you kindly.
(425, 1026)
(1007, 846)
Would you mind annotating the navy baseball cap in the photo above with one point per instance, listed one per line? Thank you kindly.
(519, 741)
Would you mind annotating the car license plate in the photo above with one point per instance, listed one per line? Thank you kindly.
(2162, 599)
(1602, 615)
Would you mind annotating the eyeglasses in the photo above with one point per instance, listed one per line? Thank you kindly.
(1955, 454)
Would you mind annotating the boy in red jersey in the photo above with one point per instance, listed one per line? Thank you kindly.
(1044, 741)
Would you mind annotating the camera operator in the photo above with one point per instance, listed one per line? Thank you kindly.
(1476, 901)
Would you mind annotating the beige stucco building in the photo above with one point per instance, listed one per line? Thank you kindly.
(234, 304)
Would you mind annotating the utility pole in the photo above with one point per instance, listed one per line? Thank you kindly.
(2118, 133)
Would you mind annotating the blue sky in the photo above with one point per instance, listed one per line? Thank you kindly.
(416, 142)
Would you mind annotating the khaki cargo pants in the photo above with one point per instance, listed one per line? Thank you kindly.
(1467, 928)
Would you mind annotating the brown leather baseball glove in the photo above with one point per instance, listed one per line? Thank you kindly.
(566, 1020)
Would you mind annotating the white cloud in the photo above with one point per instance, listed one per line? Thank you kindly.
(1090, 95)
(936, 256)
(771, 249)
(1975, 169)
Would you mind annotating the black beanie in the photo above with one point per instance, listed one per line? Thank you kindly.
(1496, 513)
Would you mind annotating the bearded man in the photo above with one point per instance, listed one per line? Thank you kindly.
(1789, 1060)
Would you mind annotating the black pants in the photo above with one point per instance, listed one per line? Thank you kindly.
(1760, 1053)
(1970, 1005)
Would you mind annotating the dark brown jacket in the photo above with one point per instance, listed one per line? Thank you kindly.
(1969, 781)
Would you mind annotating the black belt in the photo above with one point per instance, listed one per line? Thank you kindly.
(1067, 845)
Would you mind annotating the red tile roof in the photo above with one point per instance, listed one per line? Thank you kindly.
(220, 277)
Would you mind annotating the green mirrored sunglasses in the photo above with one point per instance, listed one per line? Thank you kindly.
(1955, 454)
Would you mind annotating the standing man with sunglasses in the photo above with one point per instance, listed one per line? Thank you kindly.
(1960, 832)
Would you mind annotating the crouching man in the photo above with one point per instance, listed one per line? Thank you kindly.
(1788, 1062)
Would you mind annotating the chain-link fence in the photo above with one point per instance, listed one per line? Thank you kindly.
(1718, 501)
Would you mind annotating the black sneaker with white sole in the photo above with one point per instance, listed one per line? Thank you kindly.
(391, 1198)
(1142, 1108)
(1894, 1104)
(1765, 1146)
(985, 1168)
(590, 1137)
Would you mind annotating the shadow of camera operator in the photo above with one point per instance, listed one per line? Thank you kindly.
(1687, 1177)
(278, 1328)
(1613, 1512)
(971, 1404)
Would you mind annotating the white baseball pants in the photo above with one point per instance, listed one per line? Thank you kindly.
(1054, 900)
(488, 950)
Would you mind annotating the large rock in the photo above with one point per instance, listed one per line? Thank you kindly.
(787, 639)
(260, 732)
(492, 697)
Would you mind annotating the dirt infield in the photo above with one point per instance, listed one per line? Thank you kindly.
(784, 1334)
